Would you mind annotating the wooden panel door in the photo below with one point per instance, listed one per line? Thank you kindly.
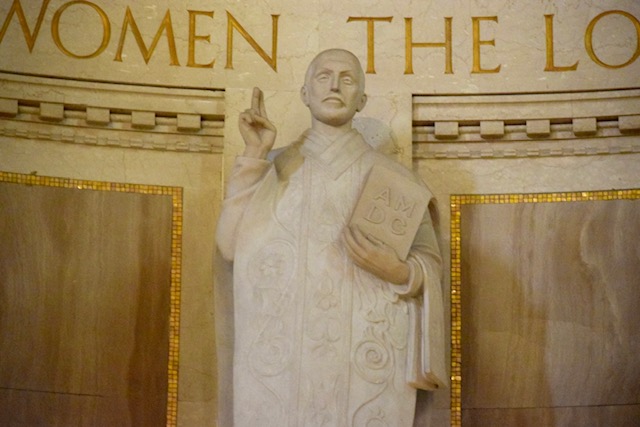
(550, 296)
(84, 306)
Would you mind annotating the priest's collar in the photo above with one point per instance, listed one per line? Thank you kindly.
(337, 155)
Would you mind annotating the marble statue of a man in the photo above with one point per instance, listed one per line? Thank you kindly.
(332, 328)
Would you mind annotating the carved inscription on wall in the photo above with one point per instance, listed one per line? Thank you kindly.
(123, 30)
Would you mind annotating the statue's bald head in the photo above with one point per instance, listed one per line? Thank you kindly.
(344, 55)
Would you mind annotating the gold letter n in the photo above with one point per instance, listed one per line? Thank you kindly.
(232, 24)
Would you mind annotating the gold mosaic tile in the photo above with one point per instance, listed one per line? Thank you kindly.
(456, 202)
(176, 258)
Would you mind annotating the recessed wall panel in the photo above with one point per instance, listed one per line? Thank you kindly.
(85, 304)
(549, 287)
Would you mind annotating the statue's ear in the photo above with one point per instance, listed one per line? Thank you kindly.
(362, 103)
(304, 95)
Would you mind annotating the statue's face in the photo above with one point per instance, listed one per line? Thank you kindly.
(334, 89)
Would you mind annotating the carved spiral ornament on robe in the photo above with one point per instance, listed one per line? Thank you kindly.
(270, 355)
(373, 361)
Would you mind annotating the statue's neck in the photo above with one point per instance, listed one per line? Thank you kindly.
(330, 132)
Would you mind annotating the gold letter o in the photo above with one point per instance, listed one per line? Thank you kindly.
(588, 38)
(106, 29)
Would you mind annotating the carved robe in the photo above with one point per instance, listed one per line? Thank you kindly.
(318, 340)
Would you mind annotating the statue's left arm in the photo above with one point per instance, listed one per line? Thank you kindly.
(381, 260)
(417, 280)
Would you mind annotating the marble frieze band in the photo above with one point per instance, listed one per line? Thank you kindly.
(526, 125)
(112, 115)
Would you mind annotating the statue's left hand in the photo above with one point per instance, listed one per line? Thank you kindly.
(375, 257)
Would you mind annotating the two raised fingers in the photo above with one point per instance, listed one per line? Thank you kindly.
(257, 114)
(257, 103)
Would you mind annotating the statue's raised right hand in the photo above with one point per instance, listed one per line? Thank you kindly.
(258, 132)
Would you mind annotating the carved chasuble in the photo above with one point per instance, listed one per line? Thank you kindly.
(318, 341)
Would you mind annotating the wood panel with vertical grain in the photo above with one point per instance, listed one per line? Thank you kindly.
(84, 306)
(550, 296)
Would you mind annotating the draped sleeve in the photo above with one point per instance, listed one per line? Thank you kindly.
(426, 367)
(245, 178)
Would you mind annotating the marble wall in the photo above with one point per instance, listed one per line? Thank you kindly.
(479, 97)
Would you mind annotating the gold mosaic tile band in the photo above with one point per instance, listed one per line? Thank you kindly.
(456, 202)
(176, 258)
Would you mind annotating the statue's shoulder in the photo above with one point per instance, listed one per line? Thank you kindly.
(285, 158)
(382, 159)
(376, 158)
